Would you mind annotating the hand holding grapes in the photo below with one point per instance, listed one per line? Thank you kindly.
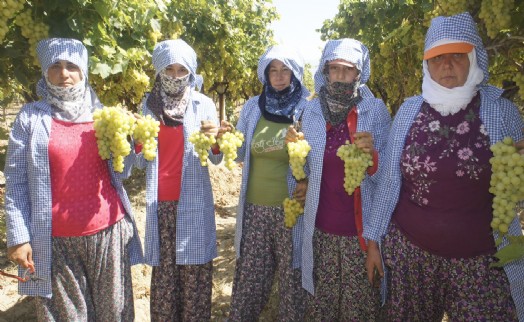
(300, 191)
(364, 141)
(520, 146)
(292, 135)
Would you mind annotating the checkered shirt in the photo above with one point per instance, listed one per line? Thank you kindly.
(28, 199)
(195, 222)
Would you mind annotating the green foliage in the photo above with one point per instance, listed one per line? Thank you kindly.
(511, 252)
(394, 32)
(228, 35)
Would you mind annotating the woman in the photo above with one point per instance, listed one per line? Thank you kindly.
(433, 199)
(68, 217)
(263, 244)
(334, 253)
(180, 224)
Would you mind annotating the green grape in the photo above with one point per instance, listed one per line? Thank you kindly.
(507, 167)
(355, 164)
(146, 130)
(202, 145)
(229, 142)
(292, 210)
(298, 152)
(112, 126)
(8, 10)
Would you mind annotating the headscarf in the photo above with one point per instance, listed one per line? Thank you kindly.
(280, 106)
(448, 30)
(72, 104)
(336, 99)
(170, 96)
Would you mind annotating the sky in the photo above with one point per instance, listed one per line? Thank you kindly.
(298, 21)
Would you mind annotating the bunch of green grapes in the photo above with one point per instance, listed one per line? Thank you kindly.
(298, 152)
(507, 183)
(229, 142)
(355, 164)
(202, 143)
(146, 130)
(34, 31)
(292, 210)
(496, 15)
(8, 10)
(112, 126)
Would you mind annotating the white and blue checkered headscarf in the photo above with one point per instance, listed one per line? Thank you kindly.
(289, 57)
(447, 30)
(50, 51)
(460, 28)
(350, 50)
(177, 51)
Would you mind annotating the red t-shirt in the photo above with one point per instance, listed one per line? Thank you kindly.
(84, 200)
(170, 154)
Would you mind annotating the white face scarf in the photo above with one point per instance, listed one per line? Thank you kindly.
(68, 103)
(451, 100)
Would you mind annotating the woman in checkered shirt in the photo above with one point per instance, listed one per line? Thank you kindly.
(432, 210)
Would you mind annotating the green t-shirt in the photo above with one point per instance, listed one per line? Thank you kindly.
(267, 184)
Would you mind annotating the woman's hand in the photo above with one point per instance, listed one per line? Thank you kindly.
(225, 126)
(374, 264)
(209, 128)
(292, 135)
(300, 191)
(22, 254)
(364, 141)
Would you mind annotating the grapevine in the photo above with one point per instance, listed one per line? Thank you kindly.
(145, 132)
(8, 10)
(292, 210)
(507, 185)
(112, 127)
(229, 142)
(202, 143)
(355, 164)
(298, 152)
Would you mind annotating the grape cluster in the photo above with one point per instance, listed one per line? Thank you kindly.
(202, 143)
(8, 10)
(112, 126)
(145, 132)
(298, 152)
(355, 164)
(507, 183)
(33, 30)
(292, 210)
(496, 15)
(229, 142)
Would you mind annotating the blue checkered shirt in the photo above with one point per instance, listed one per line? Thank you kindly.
(28, 199)
(195, 222)
(500, 117)
(247, 122)
(373, 116)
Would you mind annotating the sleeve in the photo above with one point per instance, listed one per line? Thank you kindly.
(512, 121)
(380, 134)
(17, 198)
(242, 127)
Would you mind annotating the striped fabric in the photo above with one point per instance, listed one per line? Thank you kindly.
(196, 232)
(28, 194)
(373, 116)
(500, 117)
(177, 51)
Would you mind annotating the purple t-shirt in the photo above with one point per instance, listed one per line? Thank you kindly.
(444, 205)
(335, 213)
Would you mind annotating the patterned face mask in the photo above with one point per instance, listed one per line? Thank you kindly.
(173, 86)
(68, 102)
